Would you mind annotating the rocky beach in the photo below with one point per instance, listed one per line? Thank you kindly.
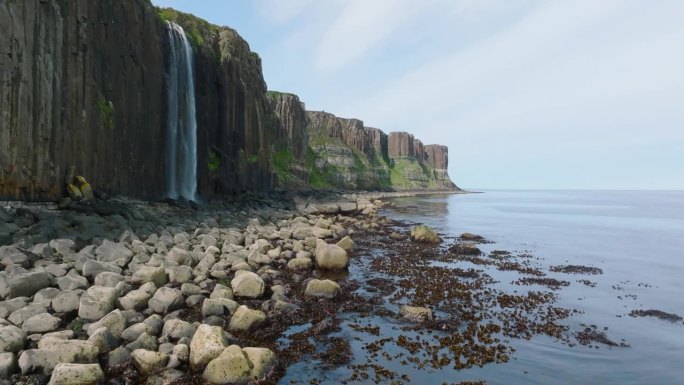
(133, 292)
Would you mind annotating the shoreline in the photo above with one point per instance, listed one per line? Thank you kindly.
(174, 275)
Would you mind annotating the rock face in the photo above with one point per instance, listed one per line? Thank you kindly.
(65, 99)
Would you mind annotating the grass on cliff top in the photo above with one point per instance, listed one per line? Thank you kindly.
(197, 29)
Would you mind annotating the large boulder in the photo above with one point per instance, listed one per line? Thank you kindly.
(322, 288)
(330, 257)
(247, 284)
(422, 233)
(239, 366)
(115, 322)
(207, 343)
(77, 374)
(41, 323)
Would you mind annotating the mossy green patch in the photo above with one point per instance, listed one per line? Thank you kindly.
(282, 162)
(214, 160)
(106, 112)
(196, 29)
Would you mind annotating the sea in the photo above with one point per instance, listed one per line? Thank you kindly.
(635, 237)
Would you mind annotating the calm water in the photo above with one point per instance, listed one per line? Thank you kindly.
(636, 237)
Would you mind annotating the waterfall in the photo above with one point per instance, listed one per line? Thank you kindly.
(181, 143)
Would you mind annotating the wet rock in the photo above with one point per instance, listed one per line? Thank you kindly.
(422, 233)
(465, 249)
(144, 341)
(322, 288)
(97, 302)
(147, 361)
(245, 319)
(330, 257)
(416, 314)
(347, 243)
(77, 374)
(247, 284)
(207, 344)
(471, 237)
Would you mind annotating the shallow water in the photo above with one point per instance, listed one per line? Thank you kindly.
(636, 238)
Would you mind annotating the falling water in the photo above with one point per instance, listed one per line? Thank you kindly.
(182, 124)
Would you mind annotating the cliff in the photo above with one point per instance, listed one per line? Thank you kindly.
(84, 87)
(344, 154)
(82, 84)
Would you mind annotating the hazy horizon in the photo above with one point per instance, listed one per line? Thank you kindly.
(527, 95)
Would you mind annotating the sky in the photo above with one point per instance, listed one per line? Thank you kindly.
(527, 94)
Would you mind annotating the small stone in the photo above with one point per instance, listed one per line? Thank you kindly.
(108, 279)
(347, 243)
(416, 314)
(115, 322)
(40, 323)
(92, 268)
(246, 318)
(148, 361)
(19, 316)
(176, 329)
(72, 281)
(12, 339)
(166, 300)
(300, 264)
(218, 307)
(8, 364)
(97, 302)
(77, 374)
(134, 300)
(66, 301)
(28, 284)
(145, 274)
(322, 288)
